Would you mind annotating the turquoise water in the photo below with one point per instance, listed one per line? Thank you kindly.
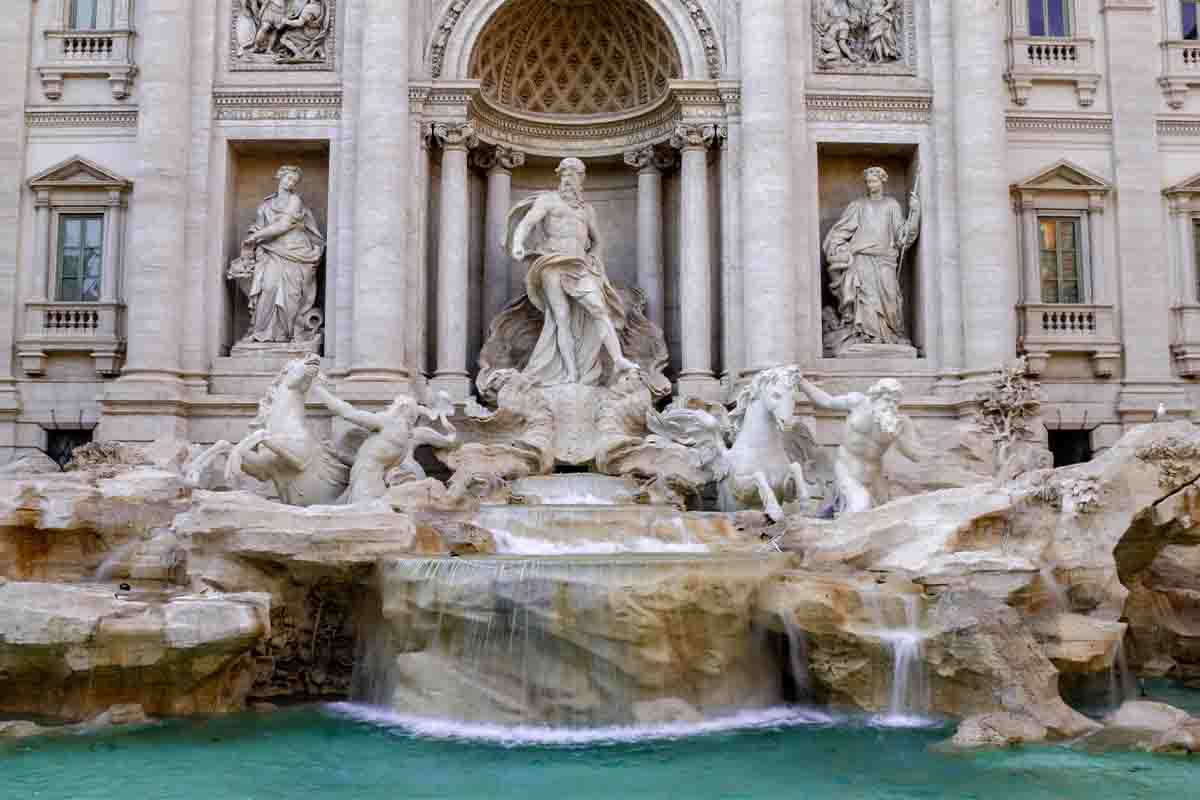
(332, 753)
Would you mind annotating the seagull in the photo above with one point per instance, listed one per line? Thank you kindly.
(1160, 413)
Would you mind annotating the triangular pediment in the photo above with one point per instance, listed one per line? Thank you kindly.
(78, 171)
(1189, 186)
(1063, 176)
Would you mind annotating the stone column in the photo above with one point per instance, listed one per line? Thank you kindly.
(990, 282)
(381, 198)
(112, 247)
(768, 208)
(1032, 254)
(498, 162)
(1144, 282)
(650, 164)
(941, 208)
(38, 288)
(1100, 289)
(453, 261)
(1181, 223)
(695, 263)
(160, 195)
(731, 241)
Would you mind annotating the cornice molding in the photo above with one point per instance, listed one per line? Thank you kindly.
(1058, 123)
(1179, 127)
(870, 108)
(81, 117)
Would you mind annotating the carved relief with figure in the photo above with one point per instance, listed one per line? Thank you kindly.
(858, 33)
(283, 32)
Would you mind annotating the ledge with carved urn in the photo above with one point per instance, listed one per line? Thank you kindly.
(1181, 69)
(60, 327)
(1050, 328)
(1052, 60)
(88, 53)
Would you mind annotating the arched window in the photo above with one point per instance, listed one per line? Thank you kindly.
(91, 15)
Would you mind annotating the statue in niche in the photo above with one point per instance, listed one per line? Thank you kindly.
(566, 282)
(282, 450)
(277, 271)
(856, 33)
(386, 456)
(866, 250)
(283, 31)
(873, 425)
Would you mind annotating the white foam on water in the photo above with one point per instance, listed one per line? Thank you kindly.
(544, 735)
(514, 544)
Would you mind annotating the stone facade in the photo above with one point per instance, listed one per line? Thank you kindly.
(723, 140)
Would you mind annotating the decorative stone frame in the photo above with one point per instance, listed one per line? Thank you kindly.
(453, 38)
(75, 186)
(907, 65)
(1183, 204)
(237, 64)
(87, 53)
(1181, 58)
(1052, 59)
(1066, 190)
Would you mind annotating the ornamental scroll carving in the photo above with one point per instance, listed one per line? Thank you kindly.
(282, 35)
(874, 36)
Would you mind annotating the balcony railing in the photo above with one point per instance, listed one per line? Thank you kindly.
(1047, 59)
(1049, 328)
(1181, 69)
(58, 327)
(100, 53)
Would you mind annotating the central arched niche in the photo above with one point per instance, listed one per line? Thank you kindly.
(575, 57)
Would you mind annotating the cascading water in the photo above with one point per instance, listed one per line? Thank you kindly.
(571, 641)
(909, 699)
(1122, 685)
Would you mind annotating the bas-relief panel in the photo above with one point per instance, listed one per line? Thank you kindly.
(868, 37)
(282, 35)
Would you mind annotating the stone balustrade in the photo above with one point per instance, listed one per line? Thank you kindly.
(1038, 58)
(88, 53)
(1181, 60)
(1050, 328)
(60, 327)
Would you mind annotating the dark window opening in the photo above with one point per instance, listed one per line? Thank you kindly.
(1070, 447)
(1190, 19)
(61, 445)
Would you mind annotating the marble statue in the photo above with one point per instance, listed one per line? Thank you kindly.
(283, 31)
(772, 454)
(873, 425)
(856, 33)
(393, 436)
(282, 450)
(866, 249)
(566, 281)
(277, 269)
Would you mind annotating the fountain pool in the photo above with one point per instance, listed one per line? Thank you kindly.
(335, 752)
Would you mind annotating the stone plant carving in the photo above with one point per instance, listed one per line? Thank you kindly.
(857, 33)
(772, 459)
(283, 32)
(866, 250)
(277, 271)
(281, 449)
(393, 436)
(1008, 410)
(874, 425)
(566, 281)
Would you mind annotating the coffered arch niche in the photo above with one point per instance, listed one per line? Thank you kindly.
(462, 23)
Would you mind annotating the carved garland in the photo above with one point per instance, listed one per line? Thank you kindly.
(454, 12)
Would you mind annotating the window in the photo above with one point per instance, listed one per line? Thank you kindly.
(1059, 258)
(1191, 15)
(91, 15)
(1051, 17)
(80, 257)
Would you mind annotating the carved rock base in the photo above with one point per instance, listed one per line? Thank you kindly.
(863, 350)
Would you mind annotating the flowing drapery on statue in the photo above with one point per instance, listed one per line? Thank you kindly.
(567, 283)
(865, 251)
(280, 257)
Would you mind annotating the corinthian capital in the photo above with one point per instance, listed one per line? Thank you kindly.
(455, 135)
(650, 157)
(689, 137)
(498, 157)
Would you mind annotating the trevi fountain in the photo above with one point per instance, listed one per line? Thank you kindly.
(585, 566)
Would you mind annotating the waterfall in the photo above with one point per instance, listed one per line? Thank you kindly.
(578, 641)
(1122, 685)
(797, 640)
(909, 699)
